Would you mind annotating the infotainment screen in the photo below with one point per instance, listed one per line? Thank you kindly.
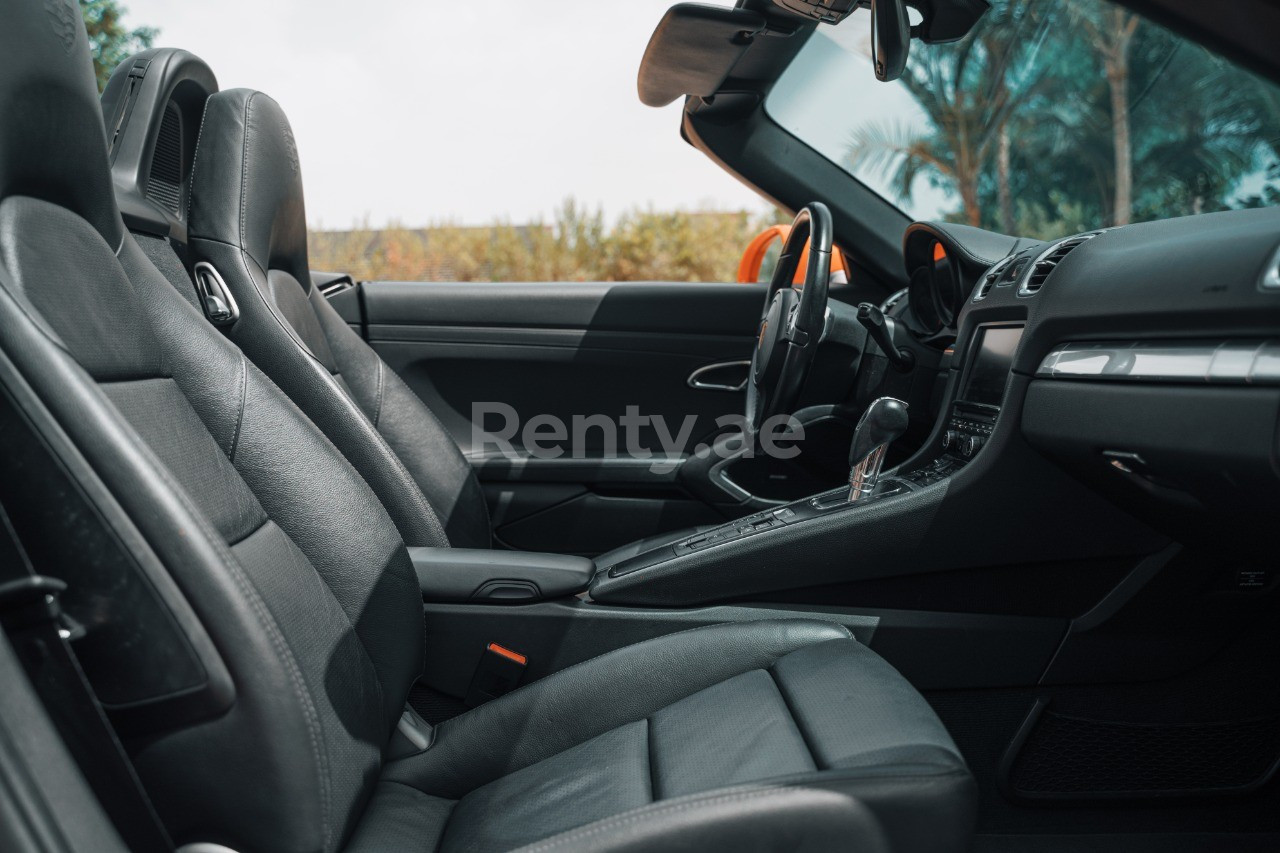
(989, 371)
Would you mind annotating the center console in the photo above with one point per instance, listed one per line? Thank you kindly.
(974, 413)
(971, 422)
(919, 564)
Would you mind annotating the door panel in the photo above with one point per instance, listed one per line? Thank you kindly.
(582, 353)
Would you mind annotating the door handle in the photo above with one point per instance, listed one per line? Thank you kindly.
(703, 378)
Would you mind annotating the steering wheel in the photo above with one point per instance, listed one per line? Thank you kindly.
(793, 318)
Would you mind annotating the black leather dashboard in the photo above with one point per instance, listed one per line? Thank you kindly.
(1189, 446)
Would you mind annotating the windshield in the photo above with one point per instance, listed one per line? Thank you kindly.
(1050, 118)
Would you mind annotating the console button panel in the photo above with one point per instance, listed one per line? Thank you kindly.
(752, 524)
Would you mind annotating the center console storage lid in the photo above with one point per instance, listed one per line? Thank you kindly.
(501, 577)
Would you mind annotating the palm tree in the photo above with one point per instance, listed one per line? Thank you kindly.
(970, 92)
(1111, 29)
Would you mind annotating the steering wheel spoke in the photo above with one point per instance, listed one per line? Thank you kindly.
(792, 321)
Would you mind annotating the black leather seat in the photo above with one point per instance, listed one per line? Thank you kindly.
(247, 218)
(280, 567)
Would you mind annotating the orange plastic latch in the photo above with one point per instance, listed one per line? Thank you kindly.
(508, 654)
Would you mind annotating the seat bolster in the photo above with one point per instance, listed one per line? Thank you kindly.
(266, 338)
(595, 696)
(419, 439)
(901, 794)
(400, 818)
(745, 818)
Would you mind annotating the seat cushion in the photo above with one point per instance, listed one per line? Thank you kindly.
(797, 710)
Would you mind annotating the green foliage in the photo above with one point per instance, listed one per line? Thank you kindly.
(576, 245)
(1197, 127)
(109, 39)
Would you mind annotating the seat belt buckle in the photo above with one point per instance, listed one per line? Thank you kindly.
(498, 673)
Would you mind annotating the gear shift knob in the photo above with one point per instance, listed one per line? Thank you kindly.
(884, 421)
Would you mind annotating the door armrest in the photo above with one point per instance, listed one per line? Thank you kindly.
(499, 577)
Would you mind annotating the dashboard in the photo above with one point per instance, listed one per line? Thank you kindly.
(1145, 360)
(1087, 400)
(936, 293)
(945, 262)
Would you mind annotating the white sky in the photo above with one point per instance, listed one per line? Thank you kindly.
(422, 111)
(830, 91)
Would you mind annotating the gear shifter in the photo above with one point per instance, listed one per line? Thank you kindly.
(884, 421)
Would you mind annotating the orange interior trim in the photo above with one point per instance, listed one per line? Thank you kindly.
(753, 257)
(508, 654)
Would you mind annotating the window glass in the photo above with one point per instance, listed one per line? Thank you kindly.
(1052, 117)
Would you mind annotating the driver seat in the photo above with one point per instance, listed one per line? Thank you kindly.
(247, 219)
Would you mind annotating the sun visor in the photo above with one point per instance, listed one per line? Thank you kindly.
(693, 50)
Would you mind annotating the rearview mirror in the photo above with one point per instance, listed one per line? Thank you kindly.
(890, 38)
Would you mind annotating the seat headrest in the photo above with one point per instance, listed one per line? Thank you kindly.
(52, 143)
(152, 106)
(246, 188)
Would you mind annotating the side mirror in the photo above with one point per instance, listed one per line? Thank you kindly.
(890, 38)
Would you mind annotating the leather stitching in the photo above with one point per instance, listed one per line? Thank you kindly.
(647, 813)
(382, 378)
(195, 164)
(244, 163)
(251, 533)
(471, 474)
(407, 576)
(653, 768)
(244, 392)
(519, 690)
(426, 511)
(786, 701)
(416, 497)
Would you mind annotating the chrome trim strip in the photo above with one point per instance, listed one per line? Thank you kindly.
(575, 463)
(1241, 362)
(1271, 273)
(210, 285)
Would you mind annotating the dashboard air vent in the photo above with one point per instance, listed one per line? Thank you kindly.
(1048, 262)
(989, 280)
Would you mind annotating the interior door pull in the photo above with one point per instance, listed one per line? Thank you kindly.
(705, 377)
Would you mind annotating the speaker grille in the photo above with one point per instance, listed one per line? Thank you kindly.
(164, 183)
(1078, 758)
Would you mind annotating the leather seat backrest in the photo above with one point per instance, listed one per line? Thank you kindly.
(248, 219)
(265, 547)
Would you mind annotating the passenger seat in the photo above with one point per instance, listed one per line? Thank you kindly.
(262, 622)
(247, 219)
